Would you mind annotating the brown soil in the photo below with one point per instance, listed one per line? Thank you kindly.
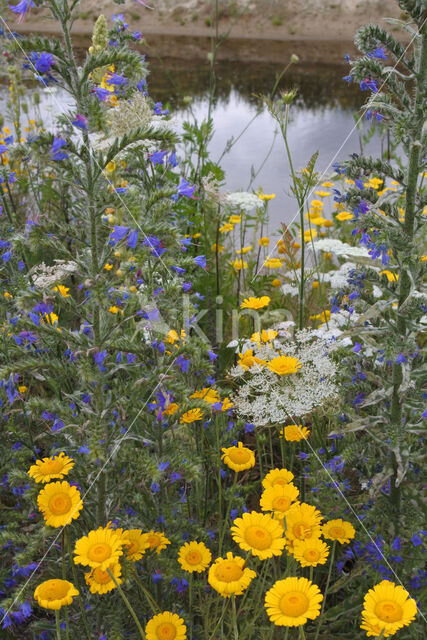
(267, 30)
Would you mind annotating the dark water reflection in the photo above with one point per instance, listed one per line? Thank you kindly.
(322, 119)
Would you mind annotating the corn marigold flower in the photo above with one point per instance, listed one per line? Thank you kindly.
(100, 548)
(342, 216)
(135, 542)
(238, 458)
(248, 360)
(294, 432)
(53, 468)
(276, 282)
(244, 250)
(229, 576)
(166, 626)
(258, 533)
(255, 303)
(207, 394)
(338, 530)
(266, 196)
(303, 521)
(391, 277)
(100, 581)
(279, 498)
(55, 593)
(310, 552)
(324, 316)
(59, 503)
(277, 477)
(293, 601)
(388, 607)
(194, 557)
(226, 404)
(266, 335)
(62, 290)
(193, 415)
(264, 241)
(171, 409)
(284, 365)
(273, 263)
(156, 540)
(239, 264)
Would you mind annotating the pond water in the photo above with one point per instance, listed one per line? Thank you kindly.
(322, 119)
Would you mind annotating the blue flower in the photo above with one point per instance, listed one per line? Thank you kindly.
(200, 261)
(102, 94)
(55, 152)
(158, 157)
(416, 540)
(42, 61)
(118, 233)
(185, 189)
(80, 121)
(116, 80)
(22, 7)
(162, 466)
(377, 53)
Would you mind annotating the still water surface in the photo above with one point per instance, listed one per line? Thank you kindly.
(322, 119)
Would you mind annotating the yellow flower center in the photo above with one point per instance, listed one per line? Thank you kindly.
(228, 571)
(282, 503)
(311, 555)
(166, 631)
(301, 531)
(257, 537)
(153, 541)
(294, 604)
(51, 466)
(132, 547)
(279, 481)
(193, 557)
(337, 532)
(59, 504)
(100, 576)
(388, 611)
(239, 455)
(54, 590)
(99, 552)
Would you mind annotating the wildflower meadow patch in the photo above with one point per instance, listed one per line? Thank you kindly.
(209, 430)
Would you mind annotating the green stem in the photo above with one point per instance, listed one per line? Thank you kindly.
(64, 577)
(58, 626)
(326, 589)
(228, 509)
(302, 633)
(76, 584)
(235, 627)
(128, 605)
(404, 279)
(151, 602)
(190, 605)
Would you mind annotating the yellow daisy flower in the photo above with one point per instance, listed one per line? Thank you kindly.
(389, 607)
(292, 601)
(239, 264)
(273, 263)
(226, 404)
(344, 215)
(166, 626)
(171, 409)
(284, 365)
(235, 219)
(192, 415)
(276, 282)
(238, 458)
(244, 250)
(136, 544)
(338, 530)
(157, 540)
(266, 335)
(324, 316)
(279, 498)
(53, 468)
(264, 241)
(100, 548)
(54, 594)
(255, 303)
(100, 581)
(226, 227)
(391, 277)
(229, 576)
(277, 477)
(217, 247)
(247, 360)
(258, 533)
(303, 521)
(207, 394)
(310, 552)
(294, 432)
(194, 556)
(60, 503)
(62, 290)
